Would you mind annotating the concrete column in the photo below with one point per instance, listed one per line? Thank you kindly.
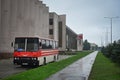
(39, 33)
(55, 29)
(5, 26)
(0, 23)
(20, 18)
(45, 21)
(36, 17)
(0, 15)
(26, 15)
(32, 19)
(62, 18)
(13, 23)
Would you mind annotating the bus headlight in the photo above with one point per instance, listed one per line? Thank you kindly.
(34, 58)
(16, 58)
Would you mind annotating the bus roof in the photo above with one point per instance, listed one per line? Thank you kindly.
(38, 38)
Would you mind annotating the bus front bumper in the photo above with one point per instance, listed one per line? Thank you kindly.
(25, 61)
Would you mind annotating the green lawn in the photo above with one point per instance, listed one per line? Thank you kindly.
(43, 72)
(104, 69)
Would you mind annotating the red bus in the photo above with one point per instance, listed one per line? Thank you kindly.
(34, 51)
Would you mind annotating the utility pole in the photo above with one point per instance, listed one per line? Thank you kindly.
(101, 42)
(111, 19)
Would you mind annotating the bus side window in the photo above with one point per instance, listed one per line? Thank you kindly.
(53, 44)
(43, 44)
(56, 44)
(50, 44)
(47, 44)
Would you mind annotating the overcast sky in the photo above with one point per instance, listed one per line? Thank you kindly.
(87, 17)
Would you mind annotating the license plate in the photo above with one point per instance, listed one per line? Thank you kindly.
(24, 63)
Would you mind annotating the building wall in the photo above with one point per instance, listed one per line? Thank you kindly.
(62, 32)
(0, 14)
(93, 46)
(21, 18)
(58, 25)
(54, 26)
(79, 42)
(30, 18)
(71, 41)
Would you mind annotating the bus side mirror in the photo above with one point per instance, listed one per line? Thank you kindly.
(12, 44)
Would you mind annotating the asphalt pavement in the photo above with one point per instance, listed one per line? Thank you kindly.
(7, 67)
(79, 70)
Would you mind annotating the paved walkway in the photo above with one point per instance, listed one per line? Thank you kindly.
(79, 70)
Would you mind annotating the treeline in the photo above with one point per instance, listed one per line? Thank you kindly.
(88, 46)
(112, 51)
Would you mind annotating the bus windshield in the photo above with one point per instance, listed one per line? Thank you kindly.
(26, 44)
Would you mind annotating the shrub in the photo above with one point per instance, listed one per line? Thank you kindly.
(112, 51)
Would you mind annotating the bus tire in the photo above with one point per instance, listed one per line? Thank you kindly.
(54, 58)
(37, 64)
(44, 62)
(57, 57)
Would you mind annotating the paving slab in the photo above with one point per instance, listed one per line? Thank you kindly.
(79, 70)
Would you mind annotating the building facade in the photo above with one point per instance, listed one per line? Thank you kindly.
(71, 39)
(21, 18)
(53, 25)
(79, 42)
(31, 18)
(93, 46)
(67, 38)
(57, 29)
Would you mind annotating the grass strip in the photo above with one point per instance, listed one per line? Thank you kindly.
(104, 69)
(43, 72)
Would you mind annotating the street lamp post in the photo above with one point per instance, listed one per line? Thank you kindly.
(111, 19)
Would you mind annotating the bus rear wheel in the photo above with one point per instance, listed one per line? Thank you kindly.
(44, 62)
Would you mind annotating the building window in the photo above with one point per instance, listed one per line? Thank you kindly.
(51, 31)
(60, 34)
(50, 21)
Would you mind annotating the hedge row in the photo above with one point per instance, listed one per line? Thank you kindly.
(112, 51)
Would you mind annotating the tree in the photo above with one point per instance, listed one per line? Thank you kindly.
(86, 45)
(112, 51)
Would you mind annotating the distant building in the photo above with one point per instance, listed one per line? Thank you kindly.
(58, 30)
(79, 42)
(93, 46)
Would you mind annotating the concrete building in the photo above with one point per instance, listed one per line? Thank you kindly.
(66, 37)
(71, 39)
(79, 42)
(31, 18)
(93, 46)
(21, 18)
(53, 25)
(57, 29)
(62, 32)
